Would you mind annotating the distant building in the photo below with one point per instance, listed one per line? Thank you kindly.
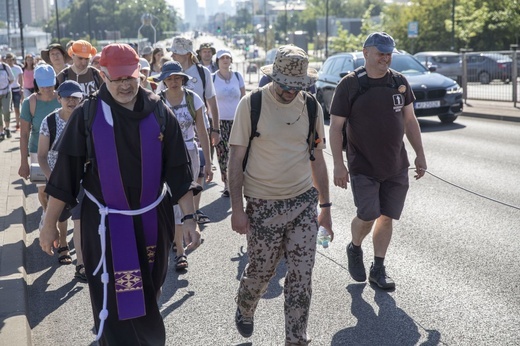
(33, 11)
(34, 40)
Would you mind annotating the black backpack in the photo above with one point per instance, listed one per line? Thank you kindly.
(256, 107)
(364, 85)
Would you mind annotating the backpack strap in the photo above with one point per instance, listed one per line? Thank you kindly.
(32, 104)
(90, 106)
(312, 111)
(51, 123)
(97, 78)
(202, 76)
(256, 107)
(188, 94)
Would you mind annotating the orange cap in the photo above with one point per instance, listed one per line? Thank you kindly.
(82, 49)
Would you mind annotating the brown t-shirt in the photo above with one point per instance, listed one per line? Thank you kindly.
(375, 126)
(89, 81)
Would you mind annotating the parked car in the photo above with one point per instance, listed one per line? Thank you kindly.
(448, 64)
(485, 67)
(436, 95)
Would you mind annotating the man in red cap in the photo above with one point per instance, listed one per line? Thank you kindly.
(126, 149)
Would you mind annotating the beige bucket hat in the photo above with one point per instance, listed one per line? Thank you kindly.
(291, 68)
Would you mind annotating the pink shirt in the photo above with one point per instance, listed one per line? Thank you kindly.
(28, 79)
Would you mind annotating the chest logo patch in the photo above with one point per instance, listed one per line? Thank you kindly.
(398, 100)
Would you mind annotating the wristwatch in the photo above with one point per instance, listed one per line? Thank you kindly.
(188, 217)
(215, 130)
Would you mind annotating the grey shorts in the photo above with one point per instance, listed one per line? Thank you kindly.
(374, 198)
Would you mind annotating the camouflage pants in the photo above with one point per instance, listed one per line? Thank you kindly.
(282, 228)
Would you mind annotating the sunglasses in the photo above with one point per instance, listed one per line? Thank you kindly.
(288, 88)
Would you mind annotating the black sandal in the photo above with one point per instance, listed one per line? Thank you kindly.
(182, 263)
(80, 273)
(202, 218)
(64, 259)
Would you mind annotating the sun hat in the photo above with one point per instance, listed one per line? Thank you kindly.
(70, 88)
(147, 50)
(9, 56)
(45, 52)
(291, 68)
(171, 68)
(82, 49)
(223, 52)
(120, 60)
(44, 75)
(182, 46)
(206, 45)
(381, 40)
(145, 65)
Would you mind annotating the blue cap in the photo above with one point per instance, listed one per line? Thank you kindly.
(70, 88)
(171, 68)
(381, 40)
(44, 75)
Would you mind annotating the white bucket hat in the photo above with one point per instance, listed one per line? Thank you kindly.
(291, 68)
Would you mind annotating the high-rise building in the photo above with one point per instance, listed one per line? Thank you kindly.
(33, 11)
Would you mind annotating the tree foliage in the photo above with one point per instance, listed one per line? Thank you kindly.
(112, 16)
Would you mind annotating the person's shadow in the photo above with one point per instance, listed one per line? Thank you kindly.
(171, 285)
(391, 326)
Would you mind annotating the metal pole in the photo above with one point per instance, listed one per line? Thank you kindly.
(8, 22)
(285, 22)
(21, 27)
(58, 21)
(89, 27)
(453, 25)
(326, 29)
(265, 28)
(514, 73)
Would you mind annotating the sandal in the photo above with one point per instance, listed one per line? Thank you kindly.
(182, 263)
(80, 273)
(202, 218)
(64, 259)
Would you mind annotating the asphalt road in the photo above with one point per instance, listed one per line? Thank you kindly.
(454, 257)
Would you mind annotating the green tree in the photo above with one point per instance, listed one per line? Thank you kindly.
(109, 15)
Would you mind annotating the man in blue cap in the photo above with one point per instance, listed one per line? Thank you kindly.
(376, 104)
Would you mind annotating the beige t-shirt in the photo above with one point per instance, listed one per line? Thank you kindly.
(278, 166)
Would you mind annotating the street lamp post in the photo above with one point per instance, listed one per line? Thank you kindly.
(326, 29)
(57, 21)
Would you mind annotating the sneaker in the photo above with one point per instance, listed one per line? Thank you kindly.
(245, 325)
(2, 136)
(356, 268)
(7, 133)
(225, 193)
(379, 277)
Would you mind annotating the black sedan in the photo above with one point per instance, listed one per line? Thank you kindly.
(436, 95)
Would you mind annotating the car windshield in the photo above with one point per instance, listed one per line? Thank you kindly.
(407, 65)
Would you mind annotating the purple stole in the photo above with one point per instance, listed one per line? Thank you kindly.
(127, 271)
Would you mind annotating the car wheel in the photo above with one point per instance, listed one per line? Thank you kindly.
(484, 78)
(447, 119)
(319, 97)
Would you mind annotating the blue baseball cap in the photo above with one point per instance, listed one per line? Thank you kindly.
(70, 88)
(171, 68)
(381, 40)
(44, 75)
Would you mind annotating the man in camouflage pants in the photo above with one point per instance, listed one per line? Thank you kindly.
(282, 186)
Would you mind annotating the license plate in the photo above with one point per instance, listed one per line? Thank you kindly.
(427, 104)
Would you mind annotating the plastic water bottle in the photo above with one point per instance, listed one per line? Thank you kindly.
(323, 237)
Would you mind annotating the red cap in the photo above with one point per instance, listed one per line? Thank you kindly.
(121, 60)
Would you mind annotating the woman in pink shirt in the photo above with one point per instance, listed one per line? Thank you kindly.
(28, 75)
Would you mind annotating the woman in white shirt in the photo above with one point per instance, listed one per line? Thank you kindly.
(229, 88)
(187, 107)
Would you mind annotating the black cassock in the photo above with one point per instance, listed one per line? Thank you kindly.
(64, 184)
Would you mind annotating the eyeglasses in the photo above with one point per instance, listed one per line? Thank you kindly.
(288, 88)
(121, 81)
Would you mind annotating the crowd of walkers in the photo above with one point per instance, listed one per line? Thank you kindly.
(126, 140)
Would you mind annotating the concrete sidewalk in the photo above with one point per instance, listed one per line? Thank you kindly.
(14, 326)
